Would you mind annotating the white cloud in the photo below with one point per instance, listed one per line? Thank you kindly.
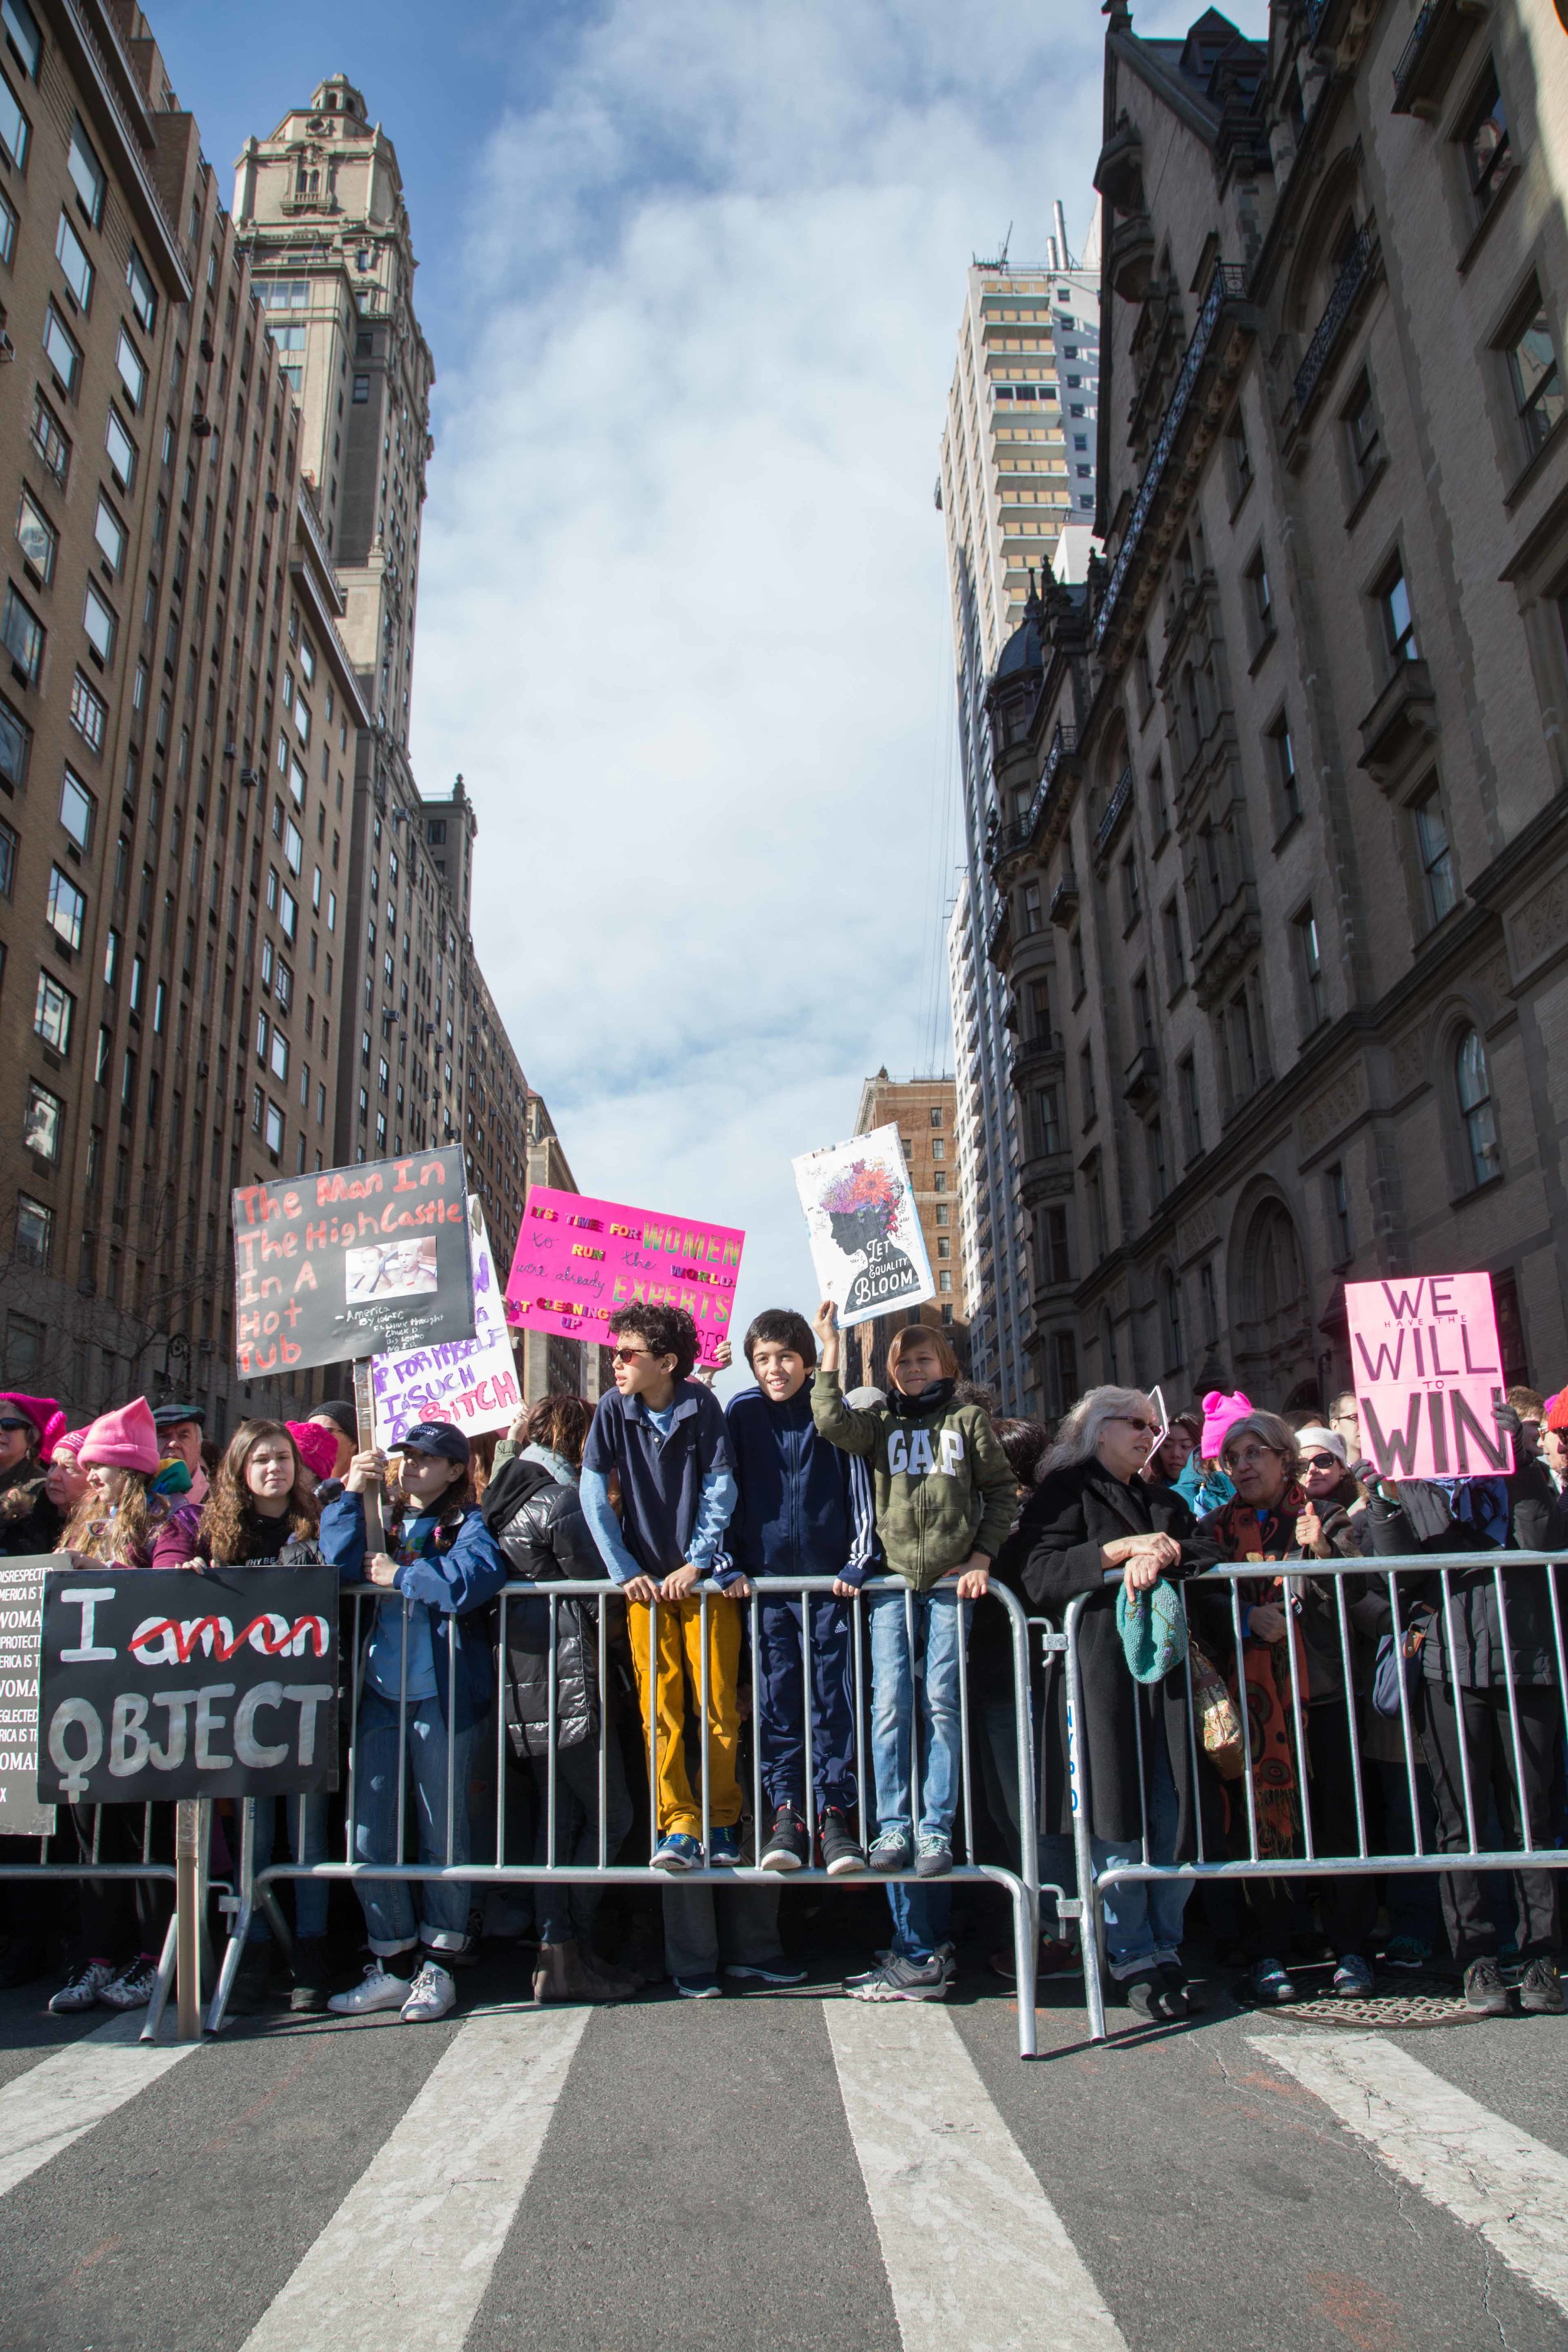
(683, 617)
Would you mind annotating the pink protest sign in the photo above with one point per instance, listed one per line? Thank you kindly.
(578, 1259)
(1427, 1369)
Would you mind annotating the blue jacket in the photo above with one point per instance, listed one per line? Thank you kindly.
(806, 1506)
(464, 1570)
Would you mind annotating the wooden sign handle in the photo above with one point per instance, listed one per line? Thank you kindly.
(374, 1526)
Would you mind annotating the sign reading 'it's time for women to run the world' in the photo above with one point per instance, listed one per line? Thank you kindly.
(578, 1259)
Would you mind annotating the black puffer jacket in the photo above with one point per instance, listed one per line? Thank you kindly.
(537, 1520)
(1468, 1649)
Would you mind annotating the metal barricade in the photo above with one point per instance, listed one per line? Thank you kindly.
(257, 1880)
(1444, 1582)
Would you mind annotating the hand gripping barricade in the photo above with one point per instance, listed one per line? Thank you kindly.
(1495, 1614)
(257, 1880)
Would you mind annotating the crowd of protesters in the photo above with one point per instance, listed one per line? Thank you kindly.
(1224, 1717)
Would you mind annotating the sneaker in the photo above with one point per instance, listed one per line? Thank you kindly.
(778, 1972)
(430, 1996)
(377, 1988)
(723, 1848)
(1175, 1979)
(676, 1851)
(704, 1986)
(891, 1850)
(1269, 1984)
(1541, 1993)
(934, 1859)
(1352, 1978)
(1406, 1952)
(308, 1992)
(840, 1847)
(896, 1978)
(786, 1848)
(133, 1986)
(1148, 1997)
(1485, 1990)
(84, 1991)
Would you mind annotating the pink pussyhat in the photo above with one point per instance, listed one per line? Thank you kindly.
(1219, 1412)
(317, 1447)
(43, 1412)
(125, 1439)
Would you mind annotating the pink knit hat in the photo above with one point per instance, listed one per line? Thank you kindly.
(318, 1446)
(72, 1440)
(43, 1412)
(125, 1439)
(1219, 1412)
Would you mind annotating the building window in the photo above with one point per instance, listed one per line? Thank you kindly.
(49, 443)
(360, 390)
(1243, 1048)
(41, 1122)
(1142, 1011)
(22, 635)
(9, 839)
(15, 131)
(1259, 603)
(1159, 1180)
(1174, 1349)
(34, 1232)
(1283, 761)
(1488, 151)
(1088, 1109)
(943, 1246)
(144, 295)
(278, 1059)
(87, 173)
(1209, 1299)
(1040, 1012)
(52, 1010)
(943, 1280)
(133, 369)
(1309, 959)
(1363, 440)
(1064, 1372)
(1032, 916)
(27, 46)
(274, 1129)
(77, 810)
(1075, 965)
(1132, 894)
(1338, 1208)
(1473, 1085)
(1175, 954)
(100, 622)
(1237, 456)
(66, 910)
(1398, 625)
(936, 1115)
(1533, 374)
(1435, 859)
(1047, 1120)
(939, 1150)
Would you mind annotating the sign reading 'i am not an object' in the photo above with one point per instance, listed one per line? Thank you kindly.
(1429, 1371)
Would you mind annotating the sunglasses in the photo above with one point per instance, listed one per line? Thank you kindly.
(16, 1425)
(1150, 1428)
(629, 1355)
(1323, 1461)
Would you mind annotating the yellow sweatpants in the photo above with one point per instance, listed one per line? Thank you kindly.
(679, 1661)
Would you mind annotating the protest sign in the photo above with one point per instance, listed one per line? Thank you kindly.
(865, 1239)
(161, 1683)
(470, 1382)
(21, 1615)
(577, 1260)
(352, 1262)
(1427, 1369)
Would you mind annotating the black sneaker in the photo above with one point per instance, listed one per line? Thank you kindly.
(1540, 1993)
(840, 1847)
(1485, 1990)
(788, 1847)
(894, 1978)
(1148, 1996)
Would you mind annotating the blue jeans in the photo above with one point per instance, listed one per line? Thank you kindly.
(1142, 1917)
(388, 1904)
(309, 1844)
(939, 1623)
(921, 1915)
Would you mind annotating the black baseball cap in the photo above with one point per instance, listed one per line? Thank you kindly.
(166, 1416)
(436, 1437)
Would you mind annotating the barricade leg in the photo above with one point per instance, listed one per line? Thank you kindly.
(1091, 1920)
(161, 1989)
(1025, 1955)
(239, 1929)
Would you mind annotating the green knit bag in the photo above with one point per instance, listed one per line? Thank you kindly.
(1153, 1629)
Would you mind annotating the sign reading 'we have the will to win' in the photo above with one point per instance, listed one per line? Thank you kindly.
(578, 1259)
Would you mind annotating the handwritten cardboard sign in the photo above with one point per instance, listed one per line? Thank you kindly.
(470, 1382)
(352, 1262)
(578, 1259)
(865, 1239)
(21, 1617)
(1427, 1369)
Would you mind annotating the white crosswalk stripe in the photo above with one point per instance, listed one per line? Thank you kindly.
(1490, 2174)
(53, 2103)
(405, 2259)
(976, 2252)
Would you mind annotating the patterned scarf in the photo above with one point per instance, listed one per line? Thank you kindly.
(1245, 1533)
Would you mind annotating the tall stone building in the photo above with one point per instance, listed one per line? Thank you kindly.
(1017, 468)
(924, 1111)
(1281, 827)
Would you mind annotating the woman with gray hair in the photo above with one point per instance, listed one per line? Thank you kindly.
(1091, 1514)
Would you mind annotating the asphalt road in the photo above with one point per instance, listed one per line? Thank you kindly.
(791, 2173)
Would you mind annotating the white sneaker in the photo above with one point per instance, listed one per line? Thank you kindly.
(377, 1988)
(83, 1990)
(430, 1996)
(133, 1988)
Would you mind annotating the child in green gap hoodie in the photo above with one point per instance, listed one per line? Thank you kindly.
(944, 1499)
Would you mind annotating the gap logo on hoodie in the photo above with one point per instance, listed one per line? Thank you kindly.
(915, 1452)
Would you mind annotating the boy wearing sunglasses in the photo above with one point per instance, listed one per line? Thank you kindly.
(663, 1436)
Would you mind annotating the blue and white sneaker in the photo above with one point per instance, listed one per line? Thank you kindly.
(723, 1848)
(776, 1972)
(676, 1853)
(1270, 1984)
(1353, 1978)
(891, 1850)
(705, 1987)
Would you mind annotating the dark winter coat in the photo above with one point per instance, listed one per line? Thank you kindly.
(1468, 1649)
(538, 1521)
(29, 1522)
(1054, 1553)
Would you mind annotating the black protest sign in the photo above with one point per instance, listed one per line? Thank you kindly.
(161, 1683)
(364, 1261)
(21, 1610)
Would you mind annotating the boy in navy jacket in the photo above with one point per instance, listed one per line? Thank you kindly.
(804, 1509)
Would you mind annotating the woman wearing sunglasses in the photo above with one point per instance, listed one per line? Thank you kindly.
(1091, 1515)
(30, 1521)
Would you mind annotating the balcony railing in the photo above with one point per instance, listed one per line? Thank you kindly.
(1410, 55)
(1021, 831)
(1330, 326)
(1228, 282)
(1115, 809)
(1064, 899)
(998, 924)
